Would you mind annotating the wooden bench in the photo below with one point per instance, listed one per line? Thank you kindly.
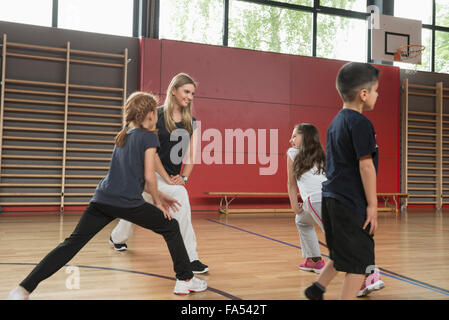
(227, 197)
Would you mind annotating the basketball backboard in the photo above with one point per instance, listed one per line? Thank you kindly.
(389, 33)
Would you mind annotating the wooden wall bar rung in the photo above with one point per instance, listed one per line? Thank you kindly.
(421, 127)
(36, 83)
(91, 141)
(421, 120)
(422, 94)
(29, 56)
(41, 194)
(422, 168)
(422, 148)
(419, 181)
(30, 185)
(13, 147)
(420, 86)
(95, 63)
(20, 204)
(422, 113)
(44, 176)
(29, 101)
(81, 86)
(34, 157)
(63, 50)
(14, 138)
(46, 58)
(91, 123)
(88, 105)
(29, 129)
(99, 54)
(85, 123)
(422, 175)
(413, 133)
(421, 202)
(422, 161)
(104, 133)
(422, 154)
(56, 84)
(41, 166)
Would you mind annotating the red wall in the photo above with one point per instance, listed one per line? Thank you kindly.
(246, 89)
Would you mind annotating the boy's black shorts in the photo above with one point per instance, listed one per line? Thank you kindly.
(350, 246)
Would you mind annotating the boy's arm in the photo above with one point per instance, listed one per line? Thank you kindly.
(292, 187)
(368, 175)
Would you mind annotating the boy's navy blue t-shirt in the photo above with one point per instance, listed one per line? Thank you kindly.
(124, 183)
(350, 137)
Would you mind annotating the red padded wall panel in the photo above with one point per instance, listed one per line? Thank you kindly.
(313, 81)
(150, 62)
(228, 73)
(256, 90)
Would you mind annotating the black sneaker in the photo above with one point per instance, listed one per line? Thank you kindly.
(198, 267)
(118, 246)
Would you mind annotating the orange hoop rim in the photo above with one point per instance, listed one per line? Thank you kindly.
(403, 53)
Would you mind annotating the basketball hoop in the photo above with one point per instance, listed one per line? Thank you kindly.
(410, 54)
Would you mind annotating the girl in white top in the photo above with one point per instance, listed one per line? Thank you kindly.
(305, 168)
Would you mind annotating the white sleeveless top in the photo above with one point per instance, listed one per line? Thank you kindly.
(309, 184)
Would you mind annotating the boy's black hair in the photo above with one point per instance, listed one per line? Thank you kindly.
(355, 76)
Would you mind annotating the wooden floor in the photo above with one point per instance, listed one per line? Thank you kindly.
(250, 257)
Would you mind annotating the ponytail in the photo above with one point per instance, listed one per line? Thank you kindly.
(120, 138)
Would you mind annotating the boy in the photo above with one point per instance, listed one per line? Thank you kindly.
(349, 205)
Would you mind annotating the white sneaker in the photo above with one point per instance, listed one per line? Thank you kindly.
(19, 293)
(185, 287)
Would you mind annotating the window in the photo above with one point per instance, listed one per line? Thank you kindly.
(426, 57)
(442, 13)
(269, 28)
(442, 51)
(37, 12)
(308, 3)
(342, 38)
(414, 9)
(101, 16)
(354, 5)
(192, 20)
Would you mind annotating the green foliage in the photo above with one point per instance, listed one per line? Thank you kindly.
(269, 28)
(442, 38)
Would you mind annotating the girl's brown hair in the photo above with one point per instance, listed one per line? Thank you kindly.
(178, 81)
(311, 152)
(136, 108)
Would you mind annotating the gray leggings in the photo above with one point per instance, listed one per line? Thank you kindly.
(305, 223)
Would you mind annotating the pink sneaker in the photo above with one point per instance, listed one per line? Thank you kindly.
(371, 283)
(309, 265)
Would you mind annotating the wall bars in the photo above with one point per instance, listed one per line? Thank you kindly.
(57, 136)
(425, 144)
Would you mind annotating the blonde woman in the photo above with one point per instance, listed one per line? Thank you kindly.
(176, 130)
(119, 195)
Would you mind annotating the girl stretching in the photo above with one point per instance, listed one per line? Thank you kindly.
(119, 195)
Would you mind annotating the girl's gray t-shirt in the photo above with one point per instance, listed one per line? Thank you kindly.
(124, 183)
